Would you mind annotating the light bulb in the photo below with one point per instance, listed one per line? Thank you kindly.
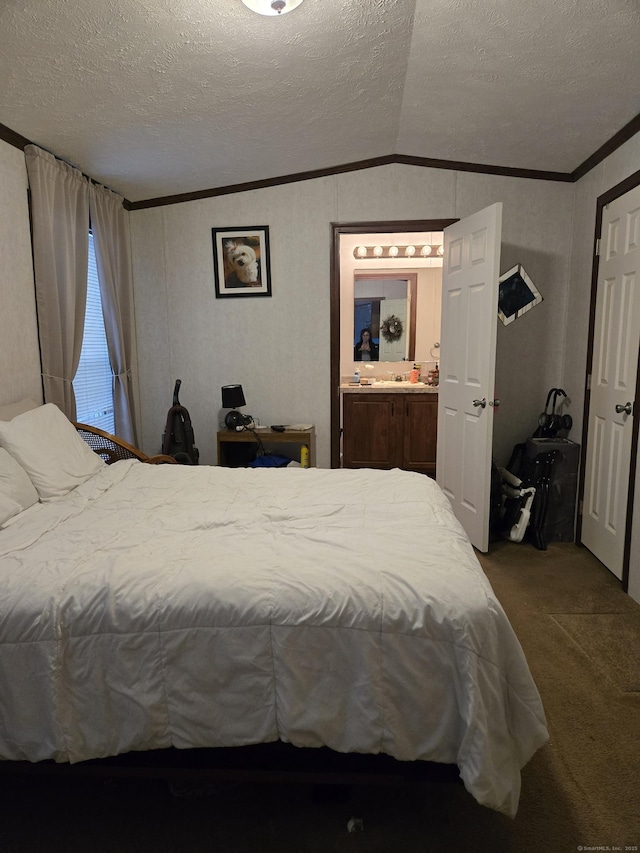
(361, 251)
(377, 251)
(410, 251)
(393, 251)
(426, 251)
(441, 250)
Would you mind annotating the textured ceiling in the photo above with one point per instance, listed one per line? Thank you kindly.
(164, 97)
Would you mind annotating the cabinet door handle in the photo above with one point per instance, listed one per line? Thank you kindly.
(392, 409)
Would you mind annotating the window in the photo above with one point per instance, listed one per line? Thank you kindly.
(93, 382)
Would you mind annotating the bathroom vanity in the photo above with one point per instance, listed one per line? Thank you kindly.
(390, 425)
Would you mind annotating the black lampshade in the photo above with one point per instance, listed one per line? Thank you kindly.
(232, 397)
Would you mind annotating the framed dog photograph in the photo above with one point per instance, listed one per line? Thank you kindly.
(241, 261)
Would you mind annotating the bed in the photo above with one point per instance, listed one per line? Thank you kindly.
(144, 607)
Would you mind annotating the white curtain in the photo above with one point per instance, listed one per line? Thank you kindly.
(110, 238)
(60, 227)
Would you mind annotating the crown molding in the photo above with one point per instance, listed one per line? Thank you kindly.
(618, 139)
(13, 138)
(404, 159)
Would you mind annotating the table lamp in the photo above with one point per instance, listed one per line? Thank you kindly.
(233, 398)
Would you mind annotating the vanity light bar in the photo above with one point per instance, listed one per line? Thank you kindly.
(433, 251)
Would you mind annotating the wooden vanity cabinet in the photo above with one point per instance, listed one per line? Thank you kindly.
(420, 431)
(370, 431)
(392, 430)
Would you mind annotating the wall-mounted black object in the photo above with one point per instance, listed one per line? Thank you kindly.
(517, 294)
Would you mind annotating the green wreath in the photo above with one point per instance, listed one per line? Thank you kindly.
(391, 328)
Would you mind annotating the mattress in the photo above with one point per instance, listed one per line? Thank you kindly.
(158, 606)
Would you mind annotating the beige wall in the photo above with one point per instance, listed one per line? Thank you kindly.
(19, 352)
(278, 348)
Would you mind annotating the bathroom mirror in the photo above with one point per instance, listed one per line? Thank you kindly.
(384, 311)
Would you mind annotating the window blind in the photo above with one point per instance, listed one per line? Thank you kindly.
(93, 382)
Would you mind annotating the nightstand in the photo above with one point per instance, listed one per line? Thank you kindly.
(237, 449)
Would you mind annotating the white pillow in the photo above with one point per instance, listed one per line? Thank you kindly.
(17, 492)
(48, 447)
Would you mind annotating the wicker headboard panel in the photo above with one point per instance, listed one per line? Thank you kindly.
(111, 448)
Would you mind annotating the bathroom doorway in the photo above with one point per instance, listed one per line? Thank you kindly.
(384, 230)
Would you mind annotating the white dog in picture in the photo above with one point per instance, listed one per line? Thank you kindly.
(243, 260)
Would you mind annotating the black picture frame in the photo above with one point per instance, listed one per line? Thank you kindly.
(241, 262)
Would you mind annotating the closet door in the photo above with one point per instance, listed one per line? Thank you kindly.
(613, 380)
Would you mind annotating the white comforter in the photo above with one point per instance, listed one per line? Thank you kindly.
(160, 606)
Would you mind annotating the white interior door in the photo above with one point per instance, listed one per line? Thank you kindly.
(613, 383)
(471, 268)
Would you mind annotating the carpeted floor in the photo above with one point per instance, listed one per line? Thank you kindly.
(608, 640)
(581, 635)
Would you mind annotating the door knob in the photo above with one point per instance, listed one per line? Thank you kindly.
(482, 403)
(626, 409)
(494, 403)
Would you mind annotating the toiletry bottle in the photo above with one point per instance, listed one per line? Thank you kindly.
(356, 376)
(304, 456)
(413, 376)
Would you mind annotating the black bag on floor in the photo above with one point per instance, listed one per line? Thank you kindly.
(178, 438)
(536, 471)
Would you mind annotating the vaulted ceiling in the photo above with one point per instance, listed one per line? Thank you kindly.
(163, 97)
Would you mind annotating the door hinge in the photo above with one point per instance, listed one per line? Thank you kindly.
(597, 247)
(588, 382)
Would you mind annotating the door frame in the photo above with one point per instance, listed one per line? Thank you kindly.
(606, 198)
(337, 230)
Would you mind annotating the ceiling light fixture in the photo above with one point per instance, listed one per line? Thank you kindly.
(271, 7)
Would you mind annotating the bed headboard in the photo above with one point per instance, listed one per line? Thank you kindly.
(10, 410)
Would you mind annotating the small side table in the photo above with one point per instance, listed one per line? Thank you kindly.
(240, 441)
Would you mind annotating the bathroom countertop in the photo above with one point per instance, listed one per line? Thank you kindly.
(389, 386)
